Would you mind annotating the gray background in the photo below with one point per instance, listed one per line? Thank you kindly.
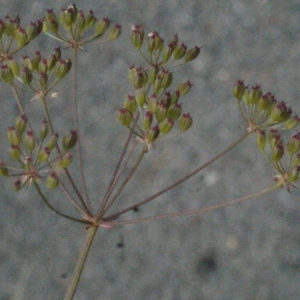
(248, 251)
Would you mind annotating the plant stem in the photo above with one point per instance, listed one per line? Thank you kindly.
(81, 262)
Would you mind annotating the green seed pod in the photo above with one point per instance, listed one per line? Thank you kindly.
(35, 61)
(168, 51)
(137, 36)
(115, 32)
(13, 135)
(294, 174)
(62, 68)
(291, 122)
(166, 125)
(20, 37)
(161, 112)
(277, 153)
(174, 111)
(52, 141)
(43, 154)
(179, 51)
(50, 15)
(68, 15)
(80, 21)
(184, 88)
(147, 120)
(90, 19)
(15, 152)
(130, 104)
(175, 97)
(66, 160)
(101, 26)
(239, 90)
(43, 66)
(166, 78)
(69, 140)
(44, 130)
(26, 76)
(192, 54)
(153, 134)
(33, 30)
(140, 96)
(165, 99)
(21, 123)
(261, 139)
(293, 144)
(13, 65)
(43, 79)
(27, 63)
(152, 103)
(152, 74)
(6, 74)
(52, 181)
(29, 140)
(124, 116)
(185, 122)
(280, 112)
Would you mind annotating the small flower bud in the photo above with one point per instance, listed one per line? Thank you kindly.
(165, 99)
(33, 30)
(90, 19)
(3, 169)
(239, 90)
(192, 54)
(20, 123)
(130, 104)
(52, 141)
(62, 68)
(261, 139)
(179, 51)
(66, 160)
(174, 111)
(20, 36)
(13, 135)
(161, 112)
(43, 66)
(152, 74)
(43, 79)
(124, 116)
(69, 140)
(155, 42)
(280, 112)
(147, 121)
(115, 32)
(101, 26)
(35, 61)
(140, 96)
(68, 15)
(15, 152)
(137, 36)
(44, 130)
(152, 103)
(43, 154)
(26, 76)
(252, 95)
(166, 125)
(13, 65)
(266, 102)
(27, 63)
(6, 74)
(50, 15)
(293, 144)
(292, 122)
(184, 88)
(166, 78)
(52, 181)
(153, 134)
(80, 21)
(169, 51)
(185, 122)
(29, 140)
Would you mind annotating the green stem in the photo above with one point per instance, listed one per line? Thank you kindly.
(81, 262)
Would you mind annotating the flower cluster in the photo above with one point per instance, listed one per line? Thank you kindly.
(264, 115)
(75, 25)
(153, 110)
(34, 154)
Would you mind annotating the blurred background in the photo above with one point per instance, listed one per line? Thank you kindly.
(248, 251)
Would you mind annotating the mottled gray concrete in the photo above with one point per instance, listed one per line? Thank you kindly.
(248, 251)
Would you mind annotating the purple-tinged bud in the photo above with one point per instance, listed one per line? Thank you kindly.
(261, 139)
(239, 90)
(115, 32)
(137, 36)
(277, 152)
(185, 122)
(166, 78)
(66, 160)
(62, 68)
(27, 63)
(90, 19)
(80, 21)
(147, 120)
(17, 185)
(175, 97)
(3, 169)
(43, 66)
(35, 61)
(34, 29)
(29, 140)
(52, 141)
(13, 135)
(153, 134)
(69, 140)
(50, 15)
(44, 130)
(43, 79)
(130, 104)
(174, 111)
(13, 65)
(280, 112)
(101, 26)
(15, 152)
(179, 51)
(11, 25)
(26, 76)
(43, 154)
(165, 99)
(169, 51)
(52, 181)
(252, 95)
(51, 61)
(160, 112)
(293, 144)
(266, 102)
(294, 174)
(291, 122)
(166, 125)
(20, 123)
(155, 42)
(152, 103)
(124, 116)
(20, 36)
(192, 54)
(140, 96)
(184, 88)
(68, 15)
(274, 138)
(6, 74)
(132, 73)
